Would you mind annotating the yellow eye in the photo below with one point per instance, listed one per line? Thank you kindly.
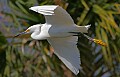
(28, 30)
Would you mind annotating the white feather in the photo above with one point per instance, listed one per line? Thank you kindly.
(56, 30)
(54, 15)
(67, 52)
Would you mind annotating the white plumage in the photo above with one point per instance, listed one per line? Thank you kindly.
(56, 30)
(67, 51)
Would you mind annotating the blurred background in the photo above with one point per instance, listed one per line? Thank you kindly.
(25, 57)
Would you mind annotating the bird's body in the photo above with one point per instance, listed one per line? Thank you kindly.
(57, 30)
(48, 30)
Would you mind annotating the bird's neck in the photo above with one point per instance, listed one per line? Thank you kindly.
(35, 35)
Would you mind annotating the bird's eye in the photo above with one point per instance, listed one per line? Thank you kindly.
(28, 30)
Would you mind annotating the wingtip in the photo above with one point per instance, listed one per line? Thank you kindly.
(79, 70)
(50, 7)
(76, 72)
(32, 8)
(45, 9)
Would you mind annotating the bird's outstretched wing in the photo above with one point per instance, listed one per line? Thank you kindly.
(54, 15)
(67, 52)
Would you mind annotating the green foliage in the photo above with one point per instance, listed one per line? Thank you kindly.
(2, 53)
(29, 58)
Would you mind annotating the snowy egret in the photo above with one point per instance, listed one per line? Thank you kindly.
(59, 30)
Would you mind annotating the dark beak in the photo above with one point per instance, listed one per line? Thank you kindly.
(20, 34)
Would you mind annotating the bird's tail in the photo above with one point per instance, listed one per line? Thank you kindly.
(83, 29)
(100, 42)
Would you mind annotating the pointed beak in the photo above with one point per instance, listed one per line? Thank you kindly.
(20, 34)
(25, 32)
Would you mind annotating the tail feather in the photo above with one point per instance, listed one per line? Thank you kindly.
(88, 26)
(83, 29)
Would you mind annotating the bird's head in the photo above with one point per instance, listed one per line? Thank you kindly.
(31, 29)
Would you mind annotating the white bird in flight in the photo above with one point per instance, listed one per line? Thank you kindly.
(59, 30)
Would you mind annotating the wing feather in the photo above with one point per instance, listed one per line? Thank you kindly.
(67, 52)
(54, 15)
